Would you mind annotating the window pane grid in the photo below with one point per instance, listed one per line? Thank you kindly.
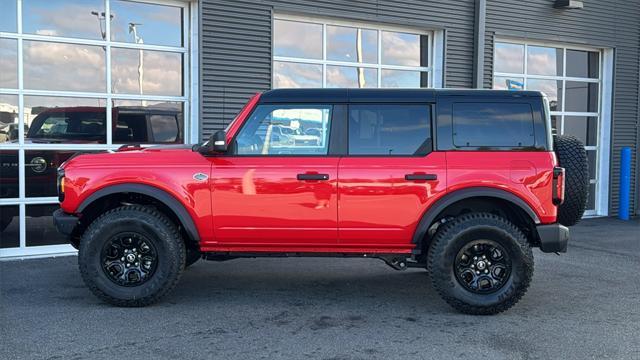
(30, 196)
(328, 62)
(584, 114)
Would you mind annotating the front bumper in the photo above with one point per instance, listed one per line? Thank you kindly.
(553, 237)
(65, 223)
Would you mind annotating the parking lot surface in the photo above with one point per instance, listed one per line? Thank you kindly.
(583, 304)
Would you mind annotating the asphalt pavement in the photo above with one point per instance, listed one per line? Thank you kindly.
(581, 305)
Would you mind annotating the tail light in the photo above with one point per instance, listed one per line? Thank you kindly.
(558, 185)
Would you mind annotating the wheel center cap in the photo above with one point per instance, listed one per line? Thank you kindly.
(131, 258)
(481, 265)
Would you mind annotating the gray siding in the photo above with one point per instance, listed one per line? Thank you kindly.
(611, 23)
(236, 43)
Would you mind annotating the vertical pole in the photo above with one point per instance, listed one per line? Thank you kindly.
(479, 34)
(625, 183)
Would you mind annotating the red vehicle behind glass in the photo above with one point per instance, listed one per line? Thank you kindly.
(463, 183)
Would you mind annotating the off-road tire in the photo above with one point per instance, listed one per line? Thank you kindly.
(158, 229)
(192, 256)
(453, 236)
(573, 158)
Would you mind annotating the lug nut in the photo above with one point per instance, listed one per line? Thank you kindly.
(472, 266)
(483, 256)
(478, 272)
(486, 271)
(488, 262)
(137, 264)
(122, 258)
(475, 258)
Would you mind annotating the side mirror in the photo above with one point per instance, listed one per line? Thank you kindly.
(218, 142)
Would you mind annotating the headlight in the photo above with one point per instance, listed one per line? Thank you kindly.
(60, 185)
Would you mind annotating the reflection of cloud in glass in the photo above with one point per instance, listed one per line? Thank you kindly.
(297, 39)
(347, 77)
(400, 79)
(509, 58)
(70, 18)
(158, 24)
(162, 72)
(400, 49)
(549, 87)
(56, 66)
(294, 75)
(8, 63)
(544, 61)
(341, 44)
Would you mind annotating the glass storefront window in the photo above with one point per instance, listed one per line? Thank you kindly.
(310, 54)
(571, 80)
(57, 89)
(40, 228)
(9, 226)
(153, 23)
(9, 63)
(68, 18)
(9, 16)
(8, 119)
(147, 122)
(146, 72)
(60, 66)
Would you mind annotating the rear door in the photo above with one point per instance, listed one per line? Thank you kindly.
(389, 175)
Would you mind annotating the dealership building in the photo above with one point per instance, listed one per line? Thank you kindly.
(92, 75)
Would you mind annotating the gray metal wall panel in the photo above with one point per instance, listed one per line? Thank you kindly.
(607, 23)
(236, 43)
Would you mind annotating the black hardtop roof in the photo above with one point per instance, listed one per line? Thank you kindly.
(381, 95)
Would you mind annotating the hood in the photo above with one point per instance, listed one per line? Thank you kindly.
(135, 156)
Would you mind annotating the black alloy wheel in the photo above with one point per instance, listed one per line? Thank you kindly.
(129, 259)
(482, 266)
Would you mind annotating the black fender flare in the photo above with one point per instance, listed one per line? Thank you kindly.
(441, 204)
(162, 196)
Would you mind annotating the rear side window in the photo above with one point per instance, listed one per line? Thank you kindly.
(390, 129)
(493, 125)
(164, 128)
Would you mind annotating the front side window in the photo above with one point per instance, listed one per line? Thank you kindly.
(487, 125)
(389, 129)
(285, 130)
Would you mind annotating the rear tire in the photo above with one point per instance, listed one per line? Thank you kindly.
(131, 256)
(573, 158)
(490, 284)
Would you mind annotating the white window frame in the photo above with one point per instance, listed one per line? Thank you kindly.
(189, 99)
(435, 48)
(603, 113)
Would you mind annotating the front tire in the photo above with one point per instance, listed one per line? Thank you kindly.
(131, 256)
(480, 263)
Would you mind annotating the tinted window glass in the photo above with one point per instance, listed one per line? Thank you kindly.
(389, 129)
(286, 130)
(164, 127)
(492, 125)
(70, 125)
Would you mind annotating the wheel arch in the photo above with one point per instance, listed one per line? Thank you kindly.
(477, 194)
(178, 211)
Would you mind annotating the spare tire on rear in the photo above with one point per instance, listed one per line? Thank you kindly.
(573, 158)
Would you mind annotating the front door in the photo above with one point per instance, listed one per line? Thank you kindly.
(389, 176)
(278, 185)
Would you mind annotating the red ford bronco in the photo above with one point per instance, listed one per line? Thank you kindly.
(461, 182)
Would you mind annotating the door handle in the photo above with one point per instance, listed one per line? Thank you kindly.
(421, 177)
(313, 177)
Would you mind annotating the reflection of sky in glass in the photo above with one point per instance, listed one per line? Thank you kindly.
(509, 58)
(347, 77)
(8, 63)
(400, 79)
(294, 75)
(8, 16)
(400, 49)
(544, 61)
(581, 96)
(55, 66)
(341, 44)
(297, 39)
(551, 88)
(70, 18)
(159, 24)
(162, 72)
